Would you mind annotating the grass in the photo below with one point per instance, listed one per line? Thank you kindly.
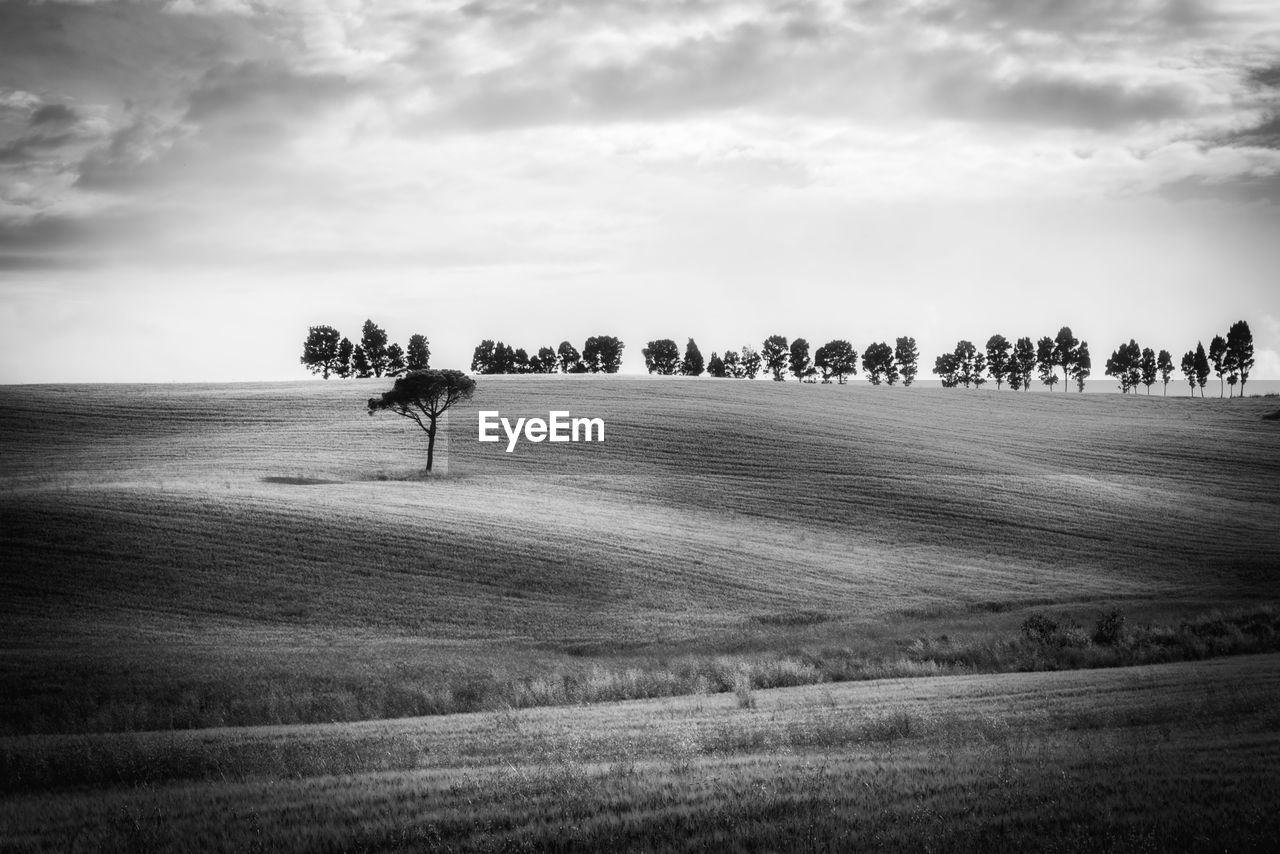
(1177, 756)
(196, 556)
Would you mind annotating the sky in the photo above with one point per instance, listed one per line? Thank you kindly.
(186, 187)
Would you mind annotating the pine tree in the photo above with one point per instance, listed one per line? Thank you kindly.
(692, 365)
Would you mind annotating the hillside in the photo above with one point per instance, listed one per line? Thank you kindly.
(193, 555)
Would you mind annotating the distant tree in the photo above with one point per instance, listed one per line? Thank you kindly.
(1202, 367)
(602, 354)
(715, 365)
(360, 363)
(424, 396)
(345, 349)
(692, 364)
(947, 367)
(906, 357)
(1064, 353)
(1083, 366)
(662, 357)
(774, 353)
(733, 365)
(520, 362)
(750, 361)
(801, 364)
(1217, 358)
(968, 367)
(979, 368)
(836, 358)
(374, 341)
(1147, 368)
(418, 353)
(569, 359)
(1045, 364)
(320, 351)
(1189, 369)
(998, 348)
(1125, 365)
(1024, 358)
(1164, 364)
(395, 360)
(1239, 357)
(877, 363)
(1015, 372)
(482, 357)
(546, 360)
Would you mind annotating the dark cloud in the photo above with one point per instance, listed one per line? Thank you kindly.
(52, 114)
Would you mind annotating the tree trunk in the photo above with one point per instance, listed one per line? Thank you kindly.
(431, 445)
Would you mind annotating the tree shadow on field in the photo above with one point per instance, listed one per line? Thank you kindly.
(1272, 416)
(415, 476)
(299, 481)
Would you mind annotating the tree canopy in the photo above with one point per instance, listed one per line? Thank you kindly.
(662, 357)
(320, 352)
(774, 353)
(424, 396)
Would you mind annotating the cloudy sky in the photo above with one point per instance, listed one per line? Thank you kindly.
(186, 186)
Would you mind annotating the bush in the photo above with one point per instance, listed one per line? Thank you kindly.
(1109, 630)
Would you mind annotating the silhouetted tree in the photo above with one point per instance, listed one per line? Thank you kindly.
(345, 349)
(733, 365)
(570, 359)
(602, 354)
(1147, 366)
(692, 364)
(1164, 363)
(1064, 353)
(424, 396)
(998, 358)
(418, 353)
(1045, 363)
(774, 352)
(662, 357)
(520, 362)
(1024, 361)
(395, 360)
(320, 352)
(750, 361)
(715, 365)
(482, 357)
(801, 364)
(1083, 366)
(360, 363)
(947, 367)
(1239, 357)
(906, 356)
(1189, 369)
(1217, 358)
(374, 341)
(1202, 367)
(1125, 365)
(877, 363)
(836, 358)
(969, 364)
(546, 360)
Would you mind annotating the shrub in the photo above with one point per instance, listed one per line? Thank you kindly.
(742, 688)
(1109, 629)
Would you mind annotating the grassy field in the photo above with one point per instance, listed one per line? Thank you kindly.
(183, 557)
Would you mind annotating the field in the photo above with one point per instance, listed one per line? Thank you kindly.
(266, 557)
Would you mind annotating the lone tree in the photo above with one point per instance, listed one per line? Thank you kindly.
(320, 352)
(774, 352)
(424, 396)
(692, 365)
(907, 357)
(1239, 357)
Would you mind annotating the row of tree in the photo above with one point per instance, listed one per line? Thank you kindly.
(601, 354)
(1015, 363)
(1230, 358)
(328, 353)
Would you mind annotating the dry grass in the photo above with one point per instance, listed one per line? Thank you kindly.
(179, 556)
(1161, 757)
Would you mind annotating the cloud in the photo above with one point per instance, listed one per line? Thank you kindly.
(53, 114)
